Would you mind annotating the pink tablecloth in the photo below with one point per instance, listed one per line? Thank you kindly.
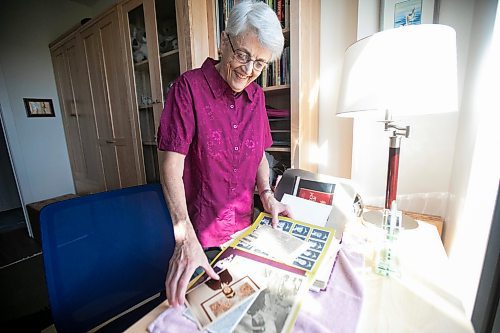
(337, 308)
(340, 304)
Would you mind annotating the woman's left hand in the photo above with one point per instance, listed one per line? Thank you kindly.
(274, 207)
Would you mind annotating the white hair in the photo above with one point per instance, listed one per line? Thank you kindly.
(261, 19)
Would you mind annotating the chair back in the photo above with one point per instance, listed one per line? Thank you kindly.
(104, 253)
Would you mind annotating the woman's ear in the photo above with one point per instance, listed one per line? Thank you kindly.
(224, 47)
(223, 39)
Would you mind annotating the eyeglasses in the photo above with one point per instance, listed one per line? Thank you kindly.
(244, 58)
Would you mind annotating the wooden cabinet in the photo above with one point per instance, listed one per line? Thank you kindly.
(105, 60)
(78, 116)
(111, 76)
(89, 69)
(301, 95)
(163, 39)
(150, 31)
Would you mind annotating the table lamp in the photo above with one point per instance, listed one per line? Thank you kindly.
(411, 70)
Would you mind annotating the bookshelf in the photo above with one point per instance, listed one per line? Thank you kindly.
(291, 83)
(270, 89)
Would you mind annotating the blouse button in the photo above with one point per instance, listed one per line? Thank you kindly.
(235, 126)
(236, 148)
(231, 106)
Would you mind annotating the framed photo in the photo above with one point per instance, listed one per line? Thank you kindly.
(398, 13)
(38, 107)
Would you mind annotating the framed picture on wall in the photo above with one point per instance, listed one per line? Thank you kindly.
(39, 107)
(398, 13)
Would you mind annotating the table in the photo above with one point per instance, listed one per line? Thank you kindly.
(435, 220)
(421, 300)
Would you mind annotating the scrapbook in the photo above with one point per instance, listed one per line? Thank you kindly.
(263, 275)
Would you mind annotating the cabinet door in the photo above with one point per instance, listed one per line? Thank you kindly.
(105, 61)
(78, 118)
(69, 113)
(144, 71)
(153, 56)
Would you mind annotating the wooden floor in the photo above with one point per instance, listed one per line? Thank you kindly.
(25, 305)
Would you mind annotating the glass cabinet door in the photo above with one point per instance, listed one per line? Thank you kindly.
(168, 45)
(142, 56)
(154, 56)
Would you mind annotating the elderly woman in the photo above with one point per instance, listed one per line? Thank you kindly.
(213, 131)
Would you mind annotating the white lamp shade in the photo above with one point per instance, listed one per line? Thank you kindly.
(408, 71)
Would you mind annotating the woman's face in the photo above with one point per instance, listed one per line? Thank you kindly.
(236, 73)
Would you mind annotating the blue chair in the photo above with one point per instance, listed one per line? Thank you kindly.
(105, 253)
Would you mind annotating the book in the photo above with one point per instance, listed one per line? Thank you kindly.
(314, 190)
(325, 270)
(246, 275)
(273, 243)
(317, 238)
(316, 196)
(270, 268)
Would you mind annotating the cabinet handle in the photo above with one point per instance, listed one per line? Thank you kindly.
(158, 101)
(110, 141)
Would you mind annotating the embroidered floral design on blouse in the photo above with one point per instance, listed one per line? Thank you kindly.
(209, 112)
(172, 141)
(214, 142)
(250, 144)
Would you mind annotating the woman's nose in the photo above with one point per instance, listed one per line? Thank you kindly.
(249, 67)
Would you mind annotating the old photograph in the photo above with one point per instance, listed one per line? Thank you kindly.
(272, 309)
(213, 299)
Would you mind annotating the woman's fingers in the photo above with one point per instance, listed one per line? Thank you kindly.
(210, 271)
(187, 257)
(182, 284)
(171, 283)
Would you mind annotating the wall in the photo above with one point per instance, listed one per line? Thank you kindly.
(38, 145)
(427, 155)
(476, 167)
(449, 165)
(338, 31)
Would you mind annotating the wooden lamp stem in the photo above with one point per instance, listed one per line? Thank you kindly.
(392, 171)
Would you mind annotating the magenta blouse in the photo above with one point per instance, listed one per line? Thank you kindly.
(223, 137)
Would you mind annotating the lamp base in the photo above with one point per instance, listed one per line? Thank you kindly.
(376, 218)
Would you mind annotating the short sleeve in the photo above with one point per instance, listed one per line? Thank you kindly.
(177, 122)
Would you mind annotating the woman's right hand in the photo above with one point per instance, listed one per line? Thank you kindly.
(188, 255)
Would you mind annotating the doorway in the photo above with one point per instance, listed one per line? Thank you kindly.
(11, 212)
(25, 304)
(15, 240)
